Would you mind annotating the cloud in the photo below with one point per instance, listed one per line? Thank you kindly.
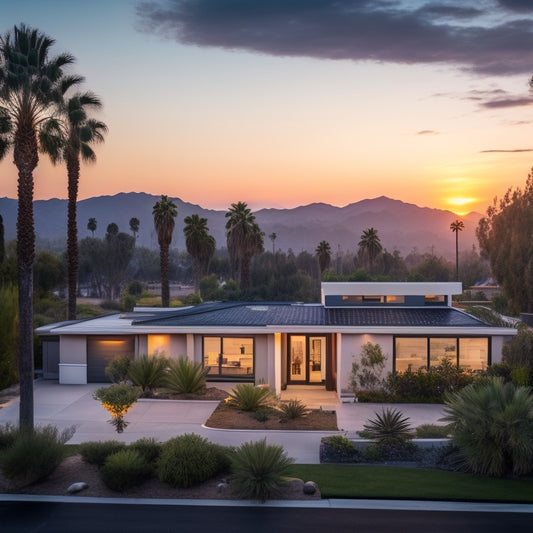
(427, 132)
(521, 6)
(515, 151)
(366, 30)
(508, 102)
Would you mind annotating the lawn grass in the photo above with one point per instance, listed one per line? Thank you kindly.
(388, 482)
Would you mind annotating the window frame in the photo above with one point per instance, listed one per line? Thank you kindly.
(228, 376)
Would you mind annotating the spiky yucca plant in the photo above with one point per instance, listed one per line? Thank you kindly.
(259, 470)
(148, 372)
(292, 409)
(389, 427)
(248, 397)
(492, 425)
(186, 377)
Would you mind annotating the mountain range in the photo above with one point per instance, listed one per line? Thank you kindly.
(401, 226)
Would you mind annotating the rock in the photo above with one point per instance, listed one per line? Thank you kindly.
(310, 487)
(77, 487)
(222, 486)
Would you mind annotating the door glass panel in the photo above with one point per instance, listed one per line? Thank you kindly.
(317, 351)
(212, 354)
(297, 362)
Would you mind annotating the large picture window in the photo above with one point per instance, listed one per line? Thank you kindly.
(414, 353)
(229, 356)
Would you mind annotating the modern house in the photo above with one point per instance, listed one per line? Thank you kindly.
(284, 343)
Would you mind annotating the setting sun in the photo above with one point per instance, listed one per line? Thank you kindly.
(459, 204)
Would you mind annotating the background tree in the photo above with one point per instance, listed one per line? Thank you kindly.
(273, 236)
(323, 252)
(118, 251)
(31, 87)
(91, 225)
(164, 212)
(8, 335)
(2, 241)
(244, 238)
(200, 245)
(370, 246)
(134, 226)
(456, 226)
(504, 236)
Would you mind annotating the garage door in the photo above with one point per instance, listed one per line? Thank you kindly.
(102, 350)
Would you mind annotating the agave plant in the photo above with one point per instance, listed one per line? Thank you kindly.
(185, 376)
(292, 409)
(248, 397)
(148, 372)
(389, 427)
(492, 425)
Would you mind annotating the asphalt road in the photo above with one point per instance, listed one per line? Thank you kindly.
(54, 517)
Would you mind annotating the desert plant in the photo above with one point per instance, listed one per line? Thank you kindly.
(148, 372)
(117, 369)
(389, 427)
(248, 397)
(432, 431)
(259, 470)
(366, 375)
(338, 449)
(492, 425)
(125, 469)
(148, 447)
(292, 409)
(34, 455)
(96, 452)
(117, 400)
(187, 460)
(186, 376)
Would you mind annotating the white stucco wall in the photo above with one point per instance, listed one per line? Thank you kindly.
(73, 360)
(496, 349)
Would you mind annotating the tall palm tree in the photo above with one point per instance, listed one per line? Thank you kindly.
(323, 252)
(80, 133)
(164, 212)
(456, 226)
(91, 225)
(32, 85)
(244, 238)
(273, 236)
(134, 226)
(200, 245)
(370, 245)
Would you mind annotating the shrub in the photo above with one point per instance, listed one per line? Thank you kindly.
(389, 427)
(187, 460)
(117, 400)
(8, 434)
(125, 469)
(292, 409)
(34, 455)
(338, 449)
(432, 431)
(96, 452)
(186, 376)
(492, 425)
(117, 369)
(248, 397)
(259, 470)
(148, 372)
(389, 451)
(148, 447)
(366, 375)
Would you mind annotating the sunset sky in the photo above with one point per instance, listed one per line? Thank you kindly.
(281, 103)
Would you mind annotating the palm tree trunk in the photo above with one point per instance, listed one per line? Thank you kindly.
(165, 290)
(26, 159)
(73, 169)
(457, 255)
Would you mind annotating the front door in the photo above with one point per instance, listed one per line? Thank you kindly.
(307, 359)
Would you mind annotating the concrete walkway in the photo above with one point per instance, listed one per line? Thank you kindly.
(73, 405)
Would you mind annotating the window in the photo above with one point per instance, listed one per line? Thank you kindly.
(440, 349)
(473, 353)
(411, 353)
(229, 356)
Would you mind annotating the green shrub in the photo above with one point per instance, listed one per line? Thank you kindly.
(125, 469)
(492, 425)
(248, 397)
(117, 369)
(148, 447)
(188, 460)
(389, 427)
(259, 470)
(520, 375)
(8, 434)
(366, 375)
(96, 452)
(292, 409)
(186, 377)
(148, 372)
(117, 400)
(262, 415)
(338, 449)
(34, 455)
(432, 431)
(389, 451)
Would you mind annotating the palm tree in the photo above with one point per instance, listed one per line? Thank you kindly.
(164, 212)
(31, 87)
(91, 225)
(200, 245)
(273, 236)
(244, 238)
(323, 251)
(134, 226)
(80, 133)
(456, 226)
(370, 245)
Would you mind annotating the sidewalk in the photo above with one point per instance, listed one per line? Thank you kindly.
(73, 405)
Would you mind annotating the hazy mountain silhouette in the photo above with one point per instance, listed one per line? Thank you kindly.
(401, 226)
